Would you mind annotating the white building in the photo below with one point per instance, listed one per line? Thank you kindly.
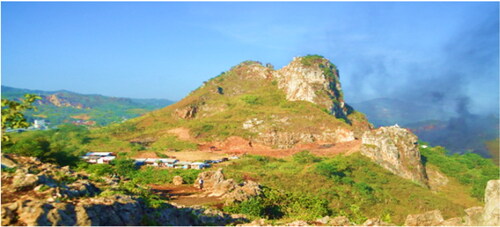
(39, 124)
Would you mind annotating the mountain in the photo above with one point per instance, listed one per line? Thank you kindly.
(257, 107)
(65, 106)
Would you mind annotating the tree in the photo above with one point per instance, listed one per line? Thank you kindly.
(12, 113)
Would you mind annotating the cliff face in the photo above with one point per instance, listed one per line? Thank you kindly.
(313, 79)
(395, 149)
(491, 215)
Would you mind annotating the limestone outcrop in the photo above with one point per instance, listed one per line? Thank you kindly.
(188, 112)
(313, 79)
(285, 140)
(177, 180)
(215, 184)
(491, 214)
(431, 218)
(395, 149)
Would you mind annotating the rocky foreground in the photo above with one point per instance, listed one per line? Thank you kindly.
(39, 193)
(45, 194)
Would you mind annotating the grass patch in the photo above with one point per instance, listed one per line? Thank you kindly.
(353, 186)
(469, 169)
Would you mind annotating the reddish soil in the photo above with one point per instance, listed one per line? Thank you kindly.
(181, 133)
(238, 146)
(184, 195)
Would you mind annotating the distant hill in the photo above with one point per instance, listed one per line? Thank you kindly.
(63, 106)
(458, 132)
(461, 134)
(389, 111)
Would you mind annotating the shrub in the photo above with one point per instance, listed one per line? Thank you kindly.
(99, 170)
(251, 99)
(311, 59)
(304, 157)
(275, 204)
(334, 168)
(124, 167)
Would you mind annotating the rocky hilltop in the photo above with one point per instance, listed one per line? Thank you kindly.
(301, 103)
(314, 79)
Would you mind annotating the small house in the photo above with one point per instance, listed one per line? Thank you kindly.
(152, 161)
(105, 159)
(100, 154)
(168, 162)
(182, 165)
(199, 165)
(99, 157)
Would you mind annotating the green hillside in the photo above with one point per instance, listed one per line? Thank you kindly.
(221, 106)
(60, 107)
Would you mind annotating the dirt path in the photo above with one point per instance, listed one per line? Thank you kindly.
(186, 195)
(241, 147)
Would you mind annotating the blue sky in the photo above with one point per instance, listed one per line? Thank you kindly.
(420, 51)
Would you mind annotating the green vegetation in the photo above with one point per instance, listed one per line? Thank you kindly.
(310, 60)
(63, 145)
(278, 204)
(251, 99)
(469, 169)
(172, 143)
(101, 109)
(12, 113)
(305, 157)
(352, 186)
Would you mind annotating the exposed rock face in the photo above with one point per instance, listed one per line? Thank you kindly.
(243, 192)
(284, 140)
(431, 218)
(474, 216)
(298, 223)
(210, 179)
(272, 132)
(8, 162)
(340, 221)
(316, 80)
(395, 149)
(60, 101)
(23, 181)
(436, 178)
(376, 222)
(177, 180)
(188, 112)
(452, 222)
(491, 214)
(215, 184)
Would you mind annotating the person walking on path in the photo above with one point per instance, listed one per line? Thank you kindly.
(201, 183)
